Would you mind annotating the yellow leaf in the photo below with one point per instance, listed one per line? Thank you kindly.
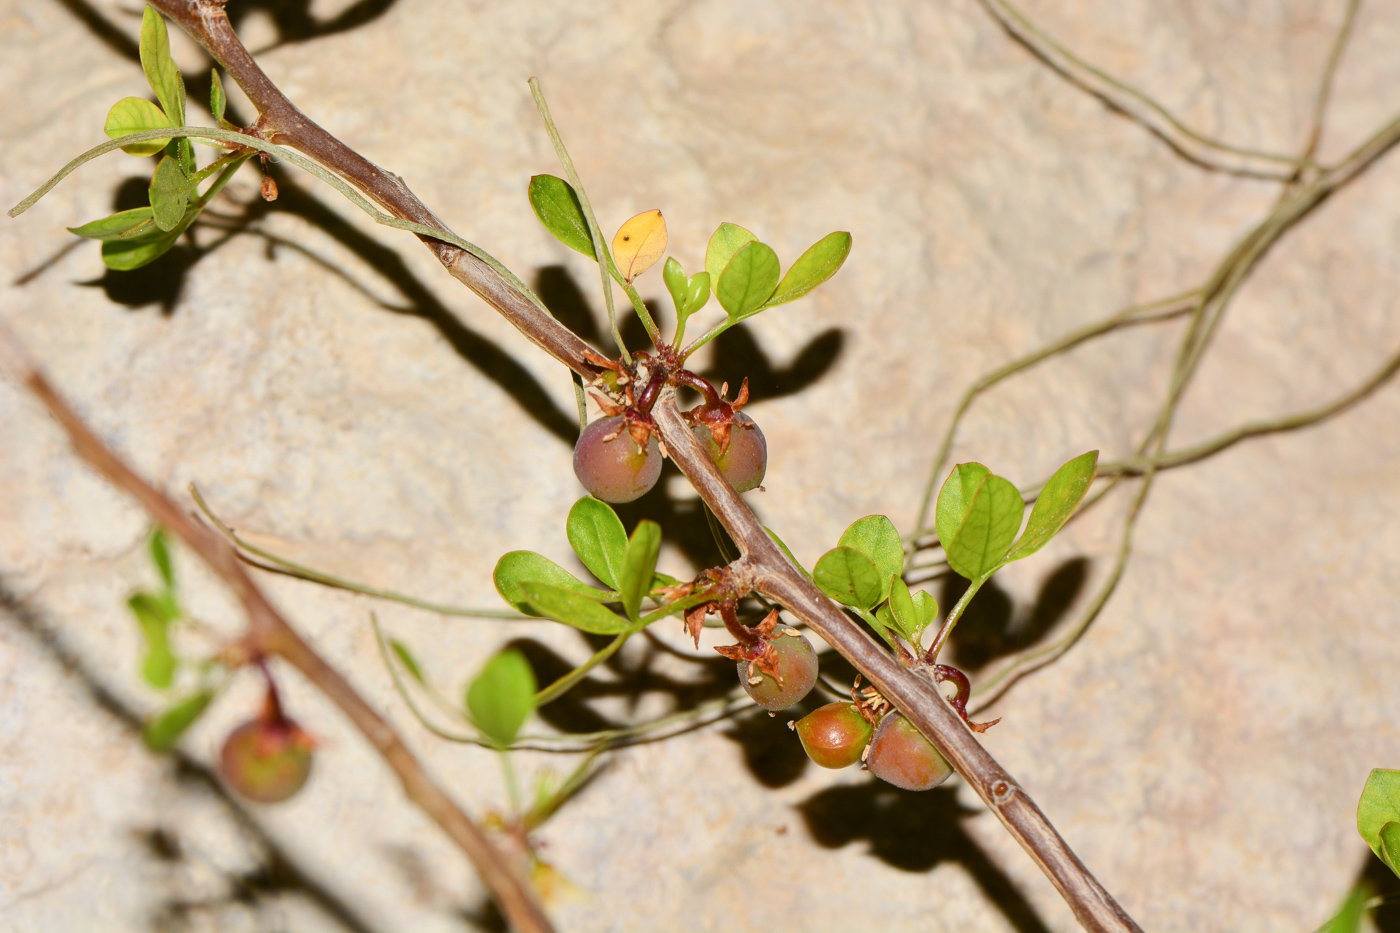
(639, 243)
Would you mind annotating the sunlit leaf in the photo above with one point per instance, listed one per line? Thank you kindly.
(673, 274)
(955, 498)
(876, 537)
(161, 72)
(406, 658)
(164, 730)
(926, 608)
(502, 696)
(109, 228)
(517, 566)
(639, 244)
(571, 607)
(598, 538)
(748, 280)
(1056, 503)
(642, 549)
(902, 609)
(849, 577)
(990, 520)
(813, 267)
(558, 208)
(724, 243)
(1379, 804)
(136, 115)
(697, 292)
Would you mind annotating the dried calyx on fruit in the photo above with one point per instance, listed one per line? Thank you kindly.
(732, 439)
(267, 759)
(776, 664)
(610, 463)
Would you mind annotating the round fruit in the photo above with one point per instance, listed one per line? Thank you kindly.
(900, 754)
(797, 667)
(266, 761)
(745, 460)
(834, 735)
(615, 469)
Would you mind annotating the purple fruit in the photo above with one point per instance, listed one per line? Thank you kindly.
(745, 460)
(611, 466)
(797, 672)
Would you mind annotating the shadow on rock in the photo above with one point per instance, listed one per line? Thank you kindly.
(992, 627)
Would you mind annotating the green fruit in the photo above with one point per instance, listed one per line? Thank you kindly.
(834, 735)
(901, 755)
(266, 761)
(615, 469)
(797, 667)
(745, 460)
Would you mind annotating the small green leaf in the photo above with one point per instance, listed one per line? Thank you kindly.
(1390, 845)
(518, 566)
(955, 498)
(987, 529)
(642, 549)
(136, 115)
(160, 556)
(676, 282)
(161, 72)
(724, 243)
(154, 615)
(1056, 503)
(406, 658)
(570, 607)
(849, 577)
(170, 194)
(1379, 804)
(558, 208)
(109, 228)
(502, 696)
(876, 537)
(1353, 911)
(217, 101)
(598, 538)
(748, 280)
(927, 608)
(163, 731)
(779, 541)
(884, 624)
(135, 252)
(902, 609)
(697, 292)
(813, 267)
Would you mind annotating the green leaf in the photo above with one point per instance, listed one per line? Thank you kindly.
(724, 243)
(161, 72)
(154, 615)
(598, 538)
(517, 566)
(955, 498)
(1348, 918)
(676, 282)
(813, 267)
(748, 280)
(170, 194)
(1056, 503)
(642, 549)
(993, 517)
(163, 731)
(127, 254)
(557, 206)
(160, 556)
(109, 228)
(697, 292)
(927, 608)
(1390, 845)
(884, 624)
(502, 697)
(406, 658)
(902, 609)
(1379, 804)
(135, 115)
(849, 577)
(876, 537)
(779, 541)
(217, 101)
(571, 607)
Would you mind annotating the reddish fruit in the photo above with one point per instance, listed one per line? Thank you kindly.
(797, 672)
(900, 754)
(745, 460)
(611, 466)
(834, 735)
(266, 760)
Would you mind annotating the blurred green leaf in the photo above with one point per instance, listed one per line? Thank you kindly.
(161, 72)
(598, 538)
(170, 194)
(849, 577)
(502, 696)
(1348, 918)
(517, 566)
(642, 549)
(748, 280)
(109, 228)
(987, 529)
(876, 537)
(1056, 503)
(217, 101)
(1379, 804)
(154, 617)
(813, 267)
(160, 556)
(557, 206)
(724, 243)
(163, 731)
(406, 658)
(571, 607)
(136, 115)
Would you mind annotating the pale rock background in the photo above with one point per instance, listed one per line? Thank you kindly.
(1202, 748)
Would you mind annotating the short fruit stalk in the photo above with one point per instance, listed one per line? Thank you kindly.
(267, 759)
